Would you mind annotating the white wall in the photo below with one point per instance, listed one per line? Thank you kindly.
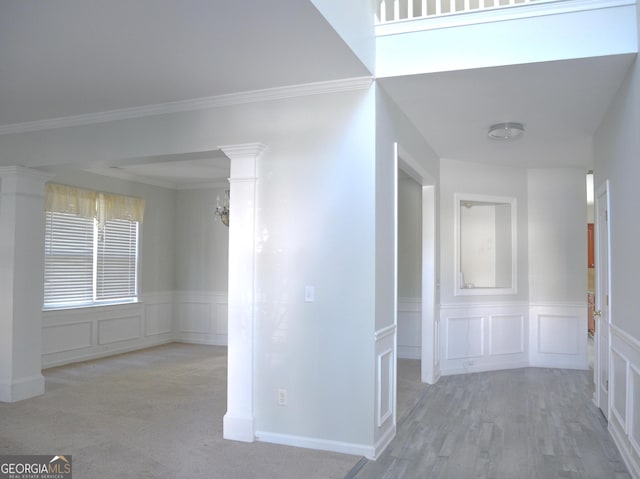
(409, 238)
(315, 227)
(202, 243)
(201, 268)
(472, 178)
(558, 267)
(617, 148)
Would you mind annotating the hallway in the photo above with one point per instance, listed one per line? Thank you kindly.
(519, 423)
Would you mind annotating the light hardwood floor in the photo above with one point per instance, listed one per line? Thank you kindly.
(521, 423)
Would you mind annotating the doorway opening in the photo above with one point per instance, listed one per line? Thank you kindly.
(423, 318)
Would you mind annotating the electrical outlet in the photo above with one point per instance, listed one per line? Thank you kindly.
(282, 397)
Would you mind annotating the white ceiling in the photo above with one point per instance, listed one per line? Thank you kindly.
(70, 57)
(180, 171)
(73, 57)
(561, 104)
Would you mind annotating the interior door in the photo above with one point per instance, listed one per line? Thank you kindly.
(602, 316)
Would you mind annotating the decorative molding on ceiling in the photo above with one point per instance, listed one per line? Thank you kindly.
(218, 184)
(254, 96)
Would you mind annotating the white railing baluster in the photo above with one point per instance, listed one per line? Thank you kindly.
(389, 11)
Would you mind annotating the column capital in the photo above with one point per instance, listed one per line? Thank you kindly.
(243, 150)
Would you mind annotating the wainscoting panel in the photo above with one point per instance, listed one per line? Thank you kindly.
(385, 402)
(624, 419)
(201, 317)
(482, 337)
(385, 386)
(506, 334)
(409, 328)
(194, 317)
(57, 338)
(465, 337)
(558, 335)
(634, 401)
(159, 319)
(79, 334)
(618, 388)
(114, 330)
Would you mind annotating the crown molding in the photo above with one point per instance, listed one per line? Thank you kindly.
(232, 99)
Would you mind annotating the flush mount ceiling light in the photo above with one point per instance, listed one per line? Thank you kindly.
(506, 131)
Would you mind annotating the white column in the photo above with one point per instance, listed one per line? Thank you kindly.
(239, 419)
(21, 282)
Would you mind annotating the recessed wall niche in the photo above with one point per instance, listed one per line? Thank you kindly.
(486, 245)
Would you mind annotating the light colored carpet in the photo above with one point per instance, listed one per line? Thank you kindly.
(155, 413)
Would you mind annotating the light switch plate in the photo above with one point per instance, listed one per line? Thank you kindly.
(309, 294)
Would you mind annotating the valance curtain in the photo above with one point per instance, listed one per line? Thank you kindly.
(93, 204)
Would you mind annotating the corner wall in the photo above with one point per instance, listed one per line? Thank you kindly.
(617, 148)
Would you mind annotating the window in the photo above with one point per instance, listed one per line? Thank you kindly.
(90, 260)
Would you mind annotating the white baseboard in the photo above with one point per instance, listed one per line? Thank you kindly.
(484, 367)
(409, 352)
(88, 356)
(24, 388)
(318, 444)
(383, 442)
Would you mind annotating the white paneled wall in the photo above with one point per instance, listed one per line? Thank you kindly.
(201, 317)
(558, 336)
(80, 334)
(385, 401)
(624, 397)
(409, 328)
(483, 337)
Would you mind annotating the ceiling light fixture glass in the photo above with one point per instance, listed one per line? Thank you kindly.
(506, 131)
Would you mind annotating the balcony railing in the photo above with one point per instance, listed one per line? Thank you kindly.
(389, 11)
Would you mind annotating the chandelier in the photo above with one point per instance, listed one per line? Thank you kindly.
(222, 209)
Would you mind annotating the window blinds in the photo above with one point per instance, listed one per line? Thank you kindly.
(116, 260)
(91, 247)
(68, 259)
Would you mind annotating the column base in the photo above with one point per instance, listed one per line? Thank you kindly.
(238, 428)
